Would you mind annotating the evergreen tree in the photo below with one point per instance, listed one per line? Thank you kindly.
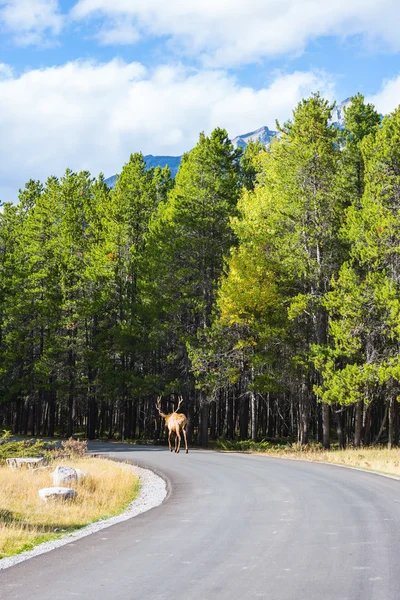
(360, 120)
(289, 249)
(263, 286)
(137, 194)
(361, 363)
(189, 237)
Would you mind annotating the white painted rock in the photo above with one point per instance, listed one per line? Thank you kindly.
(63, 474)
(57, 493)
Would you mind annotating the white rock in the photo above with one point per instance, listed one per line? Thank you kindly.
(81, 474)
(57, 493)
(63, 474)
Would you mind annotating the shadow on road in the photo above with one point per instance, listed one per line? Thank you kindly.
(115, 447)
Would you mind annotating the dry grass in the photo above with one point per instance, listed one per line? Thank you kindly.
(26, 520)
(372, 459)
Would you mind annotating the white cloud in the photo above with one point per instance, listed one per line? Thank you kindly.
(31, 21)
(387, 99)
(5, 71)
(92, 116)
(118, 32)
(233, 32)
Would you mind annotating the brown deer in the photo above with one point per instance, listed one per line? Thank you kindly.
(176, 423)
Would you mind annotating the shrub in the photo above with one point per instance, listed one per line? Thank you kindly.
(75, 447)
(314, 447)
(6, 436)
(243, 445)
(25, 448)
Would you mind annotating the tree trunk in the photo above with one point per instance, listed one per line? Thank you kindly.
(396, 423)
(367, 425)
(18, 417)
(190, 418)
(92, 415)
(326, 426)
(213, 421)
(38, 412)
(391, 424)
(382, 427)
(253, 408)
(70, 421)
(270, 420)
(304, 415)
(340, 430)
(203, 429)
(244, 418)
(229, 413)
(358, 424)
(51, 411)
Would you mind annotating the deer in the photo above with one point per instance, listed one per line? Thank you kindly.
(176, 423)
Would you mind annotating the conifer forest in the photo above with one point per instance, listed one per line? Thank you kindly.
(262, 286)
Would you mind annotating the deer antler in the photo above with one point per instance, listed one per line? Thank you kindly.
(158, 404)
(180, 400)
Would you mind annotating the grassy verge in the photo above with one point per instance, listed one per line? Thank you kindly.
(380, 460)
(25, 520)
(377, 459)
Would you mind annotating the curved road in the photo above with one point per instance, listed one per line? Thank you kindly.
(234, 527)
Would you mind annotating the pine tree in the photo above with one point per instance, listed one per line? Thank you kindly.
(302, 243)
(189, 237)
(137, 194)
(361, 363)
(360, 120)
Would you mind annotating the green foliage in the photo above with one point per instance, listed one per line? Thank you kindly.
(25, 448)
(246, 445)
(287, 228)
(5, 436)
(188, 238)
(249, 164)
(262, 281)
(361, 362)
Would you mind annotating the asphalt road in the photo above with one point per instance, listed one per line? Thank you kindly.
(234, 527)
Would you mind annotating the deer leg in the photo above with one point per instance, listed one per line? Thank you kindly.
(169, 440)
(184, 435)
(176, 441)
(178, 437)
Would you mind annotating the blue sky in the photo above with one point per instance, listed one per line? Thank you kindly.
(84, 83)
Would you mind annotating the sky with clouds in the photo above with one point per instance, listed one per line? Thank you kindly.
(83, 83)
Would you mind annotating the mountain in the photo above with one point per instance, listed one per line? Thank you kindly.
(337, 114)
(153, 161)
(162, 161)
(111, 181)
(264, 135)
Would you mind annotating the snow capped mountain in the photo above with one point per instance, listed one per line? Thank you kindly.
(337, 114)
(264, 135)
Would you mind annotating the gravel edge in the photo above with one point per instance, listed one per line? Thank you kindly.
(153, 491)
